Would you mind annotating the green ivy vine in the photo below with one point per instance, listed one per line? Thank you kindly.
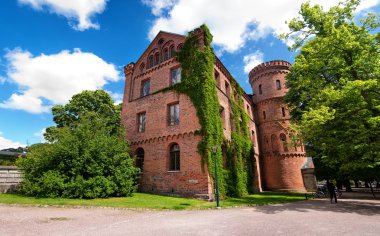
(197, 81)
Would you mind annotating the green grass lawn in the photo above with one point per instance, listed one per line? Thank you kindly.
(151, 201)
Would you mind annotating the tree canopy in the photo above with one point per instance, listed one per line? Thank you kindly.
(99, 102)
(334, 86)
(88, 157)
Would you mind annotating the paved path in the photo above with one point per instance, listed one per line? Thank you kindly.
(314, 217)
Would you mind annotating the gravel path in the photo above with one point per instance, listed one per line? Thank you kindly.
(314, 217)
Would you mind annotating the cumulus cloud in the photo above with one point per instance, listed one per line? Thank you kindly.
(40, 135)
(77, 11)
(232, 23)
(47, 80)
(252, 60)
(6, 143)
(117, 97)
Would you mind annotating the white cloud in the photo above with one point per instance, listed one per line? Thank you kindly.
(46, 80)
(117, 97)
(40, 134)
(2, 80)
(159, 6)
(6, 143)
(78, 10)
(252, 60)
(231, 22)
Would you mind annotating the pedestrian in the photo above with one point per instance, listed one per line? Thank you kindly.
(331, 189)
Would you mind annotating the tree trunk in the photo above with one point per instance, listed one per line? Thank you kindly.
(347, 184)
(373, 193)
(339, 184)
(356, 184)
(366, 184)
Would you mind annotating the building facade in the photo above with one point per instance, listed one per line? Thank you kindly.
(161, 126)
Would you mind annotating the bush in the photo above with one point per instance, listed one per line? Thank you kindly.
(88, 161)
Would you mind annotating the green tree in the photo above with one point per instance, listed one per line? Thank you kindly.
(80, 104)
(88, 158)
(334, 86)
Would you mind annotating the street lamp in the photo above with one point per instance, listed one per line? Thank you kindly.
(214, 148)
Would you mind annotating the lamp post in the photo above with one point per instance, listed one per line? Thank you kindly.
(214, 148)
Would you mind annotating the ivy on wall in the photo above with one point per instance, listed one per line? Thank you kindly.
(197, 82)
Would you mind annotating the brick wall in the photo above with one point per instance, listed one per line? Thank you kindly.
(281, 161)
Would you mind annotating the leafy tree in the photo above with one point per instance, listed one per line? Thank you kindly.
(70, 114)
(87, 159)
(334, 86)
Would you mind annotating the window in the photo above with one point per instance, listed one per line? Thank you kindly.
(151, 62)
(264, 115)
(176, 75)
(278, 84)
(248, 111)
(284, 144)
(174, 114)
(172, 51)
(227, 87)
(142, 66)
(217, 78)
(140, 159)
(166, 54)
(260, 89)
(157, 58)
(141, 122)
(283, 111)
(222, 116)
(253, 137)
(174, 164)
(145, 88)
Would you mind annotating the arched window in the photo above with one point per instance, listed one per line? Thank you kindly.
(157, 58)
(174, 164)
(151, 61)
(166, 54)
(260, 89)
(172, 51)
(274, 142)
(283, 111)
(264, 115)
(179, 47)
(278, 84)
(284, 144)
(142, 66)
(140, 159)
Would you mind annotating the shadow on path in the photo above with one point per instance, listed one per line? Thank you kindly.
(362, 207)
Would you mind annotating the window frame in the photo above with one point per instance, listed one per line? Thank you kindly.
(278, 84)
(174, 158)
(141, 124)
(171, 74)
(176, 121)
(142, 90)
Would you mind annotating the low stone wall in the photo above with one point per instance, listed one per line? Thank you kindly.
(10, 177)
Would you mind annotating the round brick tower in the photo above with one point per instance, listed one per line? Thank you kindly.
(281, 161)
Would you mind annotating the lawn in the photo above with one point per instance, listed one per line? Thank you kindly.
(151, 201)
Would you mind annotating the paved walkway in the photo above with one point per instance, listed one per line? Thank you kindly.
(313, 217)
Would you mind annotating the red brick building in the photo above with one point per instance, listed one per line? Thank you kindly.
(161, 126)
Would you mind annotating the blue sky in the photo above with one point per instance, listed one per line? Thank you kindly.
(52, 49)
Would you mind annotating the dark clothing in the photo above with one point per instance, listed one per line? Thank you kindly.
(331, 189)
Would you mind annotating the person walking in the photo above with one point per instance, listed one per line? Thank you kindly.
(331, 189)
